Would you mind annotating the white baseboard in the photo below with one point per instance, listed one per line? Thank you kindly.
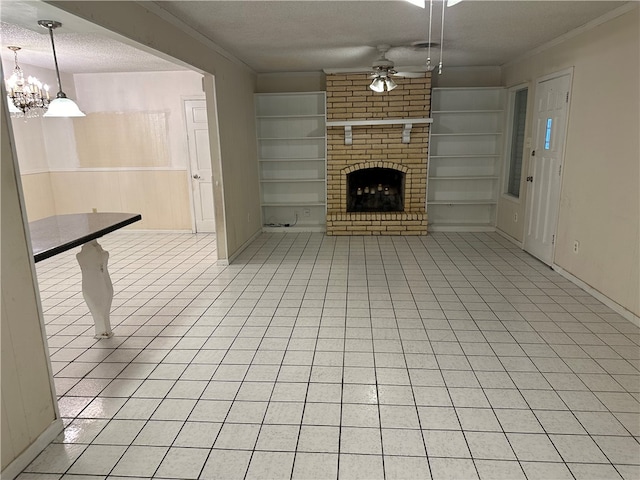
(301, 229)
(510, 238)
(25, 458)
(151, 230)
(227, 261)
(461, 228)
(616, 307)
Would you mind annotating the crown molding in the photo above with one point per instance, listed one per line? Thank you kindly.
(574, 33)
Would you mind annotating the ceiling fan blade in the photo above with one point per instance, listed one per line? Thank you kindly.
(409, 74)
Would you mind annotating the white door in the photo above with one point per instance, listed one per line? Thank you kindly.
(545, 166)
(200, 159)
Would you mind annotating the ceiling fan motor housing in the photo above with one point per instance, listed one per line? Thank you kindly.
(383, 64)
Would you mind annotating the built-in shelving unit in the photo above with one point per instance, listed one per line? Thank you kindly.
(291, 129)
(464, 158)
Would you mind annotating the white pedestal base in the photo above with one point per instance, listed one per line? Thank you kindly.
(97, 288)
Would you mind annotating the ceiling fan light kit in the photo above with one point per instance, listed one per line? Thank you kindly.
(61, 106)
(382, 70)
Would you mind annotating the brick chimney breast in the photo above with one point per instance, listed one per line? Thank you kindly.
(377, 146)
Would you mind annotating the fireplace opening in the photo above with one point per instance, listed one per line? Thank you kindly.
(375, 190)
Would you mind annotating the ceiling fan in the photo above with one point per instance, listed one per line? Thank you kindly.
(383, 69)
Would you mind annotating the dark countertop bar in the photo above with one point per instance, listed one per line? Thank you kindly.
(53, 235)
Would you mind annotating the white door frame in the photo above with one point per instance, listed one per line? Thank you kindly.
(544, 78)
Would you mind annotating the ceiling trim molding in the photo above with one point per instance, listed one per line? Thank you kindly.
(574, 33)
(157, 9)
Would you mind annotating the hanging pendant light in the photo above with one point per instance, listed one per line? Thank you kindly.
(61, 106)
(25, 97)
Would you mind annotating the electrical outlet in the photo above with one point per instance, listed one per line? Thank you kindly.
(94, 210)
(515, 217)
(576, 246)
(306, 212)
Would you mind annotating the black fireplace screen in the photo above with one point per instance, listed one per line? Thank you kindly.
(375, 190)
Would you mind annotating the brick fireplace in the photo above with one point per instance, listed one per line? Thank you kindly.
(377, 182)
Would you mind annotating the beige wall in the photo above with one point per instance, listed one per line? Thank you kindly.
(291, 82)
(600, 203)
(467, 77)
(161, 196)
(234, 88)
(28, 407)
(39, 199)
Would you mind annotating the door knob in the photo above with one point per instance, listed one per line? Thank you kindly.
(196, 176)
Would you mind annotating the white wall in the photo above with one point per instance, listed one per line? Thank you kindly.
(600, 199)
(28, 405)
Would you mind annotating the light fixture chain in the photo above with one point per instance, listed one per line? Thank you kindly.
(429, 44)
(441, 39)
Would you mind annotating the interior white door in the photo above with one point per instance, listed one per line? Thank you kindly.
(545, 166)
(200, 159)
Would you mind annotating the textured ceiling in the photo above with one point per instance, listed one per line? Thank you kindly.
(314, 35)
(81, 46)
(284, 36)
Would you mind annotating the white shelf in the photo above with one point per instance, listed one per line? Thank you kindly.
(468, 177)
(456, 112)
(461, 202)
(292, 180)
(463, 156)
(275, 117)
(291, 138)
(464, 160)
(293, 204)
(291, 160)
(462, 134)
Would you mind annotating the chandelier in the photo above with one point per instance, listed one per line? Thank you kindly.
(27, 98)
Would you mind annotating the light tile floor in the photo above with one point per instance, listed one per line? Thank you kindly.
(446, 356)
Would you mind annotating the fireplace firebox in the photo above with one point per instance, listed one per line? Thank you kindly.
(375, 190)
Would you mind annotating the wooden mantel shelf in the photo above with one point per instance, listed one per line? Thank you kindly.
(406, 131)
